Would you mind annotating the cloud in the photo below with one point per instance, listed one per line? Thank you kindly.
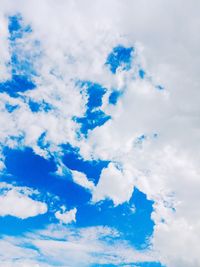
(75, 42)
(15, 201)
(114, 184)
(4, 54)
(66, 217)
(64, 246)
(81, 179)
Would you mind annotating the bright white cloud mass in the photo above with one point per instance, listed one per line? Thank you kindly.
(100, 133)
(66, 216)
(19, 204)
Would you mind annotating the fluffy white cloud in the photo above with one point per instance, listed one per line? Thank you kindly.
(66, 217)
(81, 179)
(114, 184)
(75, 41)
(15, 201)
(4, 49)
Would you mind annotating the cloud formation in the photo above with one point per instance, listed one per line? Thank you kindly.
(70, 247)
(16, 201)
(66, 217)
(160, 104)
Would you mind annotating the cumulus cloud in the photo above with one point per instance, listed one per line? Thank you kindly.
(81, 179)
(114, 184)
(165, 166)
(66, 217)
(15, 201)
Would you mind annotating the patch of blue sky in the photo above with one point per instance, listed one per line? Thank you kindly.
(120, 57)
(10, 108)
(91, 168)
(114, 96)
(142, 73)
(94, 116)
(34, 106)
(95, 93)
(131, 219)
(25, 168)
(91, 120)
(17, 84)
(14, 226)
(42, 142)
(16, 28)
(39, 106)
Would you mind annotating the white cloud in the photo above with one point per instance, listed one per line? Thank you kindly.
(63, 246)
(81, 179)
(15, 201)
(114, 184)
(165, 168)
(11, 249)
(66, 217)
(4, 48)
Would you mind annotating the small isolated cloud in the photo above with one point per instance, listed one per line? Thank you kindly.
(66, 217)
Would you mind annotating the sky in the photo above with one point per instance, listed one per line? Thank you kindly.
(100, 133)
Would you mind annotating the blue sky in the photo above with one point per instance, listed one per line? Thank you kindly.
(94, 145)
(24, 168)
